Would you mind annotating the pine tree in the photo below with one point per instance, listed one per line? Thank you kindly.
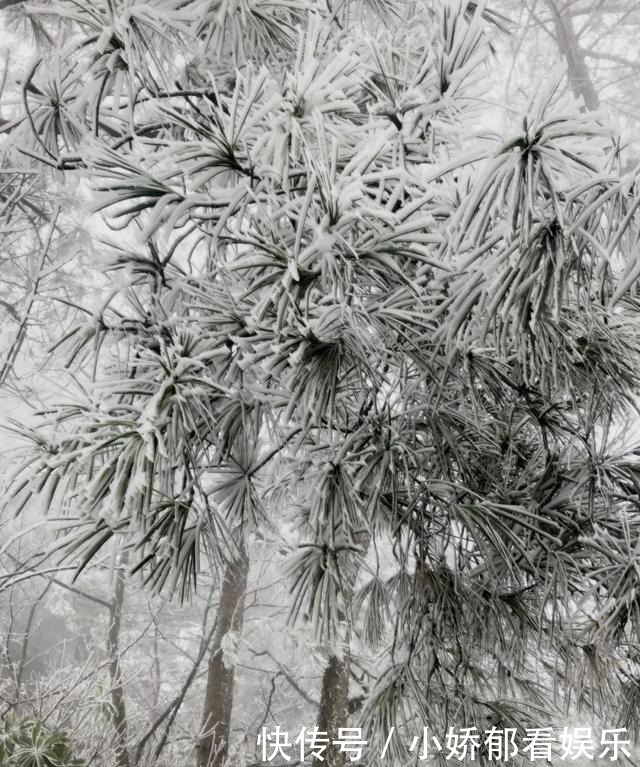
(320, 263)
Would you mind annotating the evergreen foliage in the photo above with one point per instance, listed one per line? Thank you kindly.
(346, 317)
(28, 743)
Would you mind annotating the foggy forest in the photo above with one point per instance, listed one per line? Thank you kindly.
(319, 383)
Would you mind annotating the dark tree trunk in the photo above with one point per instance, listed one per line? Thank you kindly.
(115, 670)
(333, 711)
(569, 46)
(218, 704)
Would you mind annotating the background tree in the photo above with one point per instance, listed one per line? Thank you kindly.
(595, 40)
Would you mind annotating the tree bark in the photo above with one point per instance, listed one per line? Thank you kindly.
(213, 746)
(569, 47)
(115, 670)
(333, 711)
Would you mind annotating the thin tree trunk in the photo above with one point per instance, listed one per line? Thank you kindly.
(569, 46)
(18, 341)
(115, 670)
(170, 711)
(19, 669)
(333, 710)
(218, 704)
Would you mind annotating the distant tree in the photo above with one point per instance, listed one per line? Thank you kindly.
(321, 265)
(596, 41)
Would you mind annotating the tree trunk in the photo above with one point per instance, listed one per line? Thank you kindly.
(569, 46)
(115, 670)
(216, 716)
(333, 711)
